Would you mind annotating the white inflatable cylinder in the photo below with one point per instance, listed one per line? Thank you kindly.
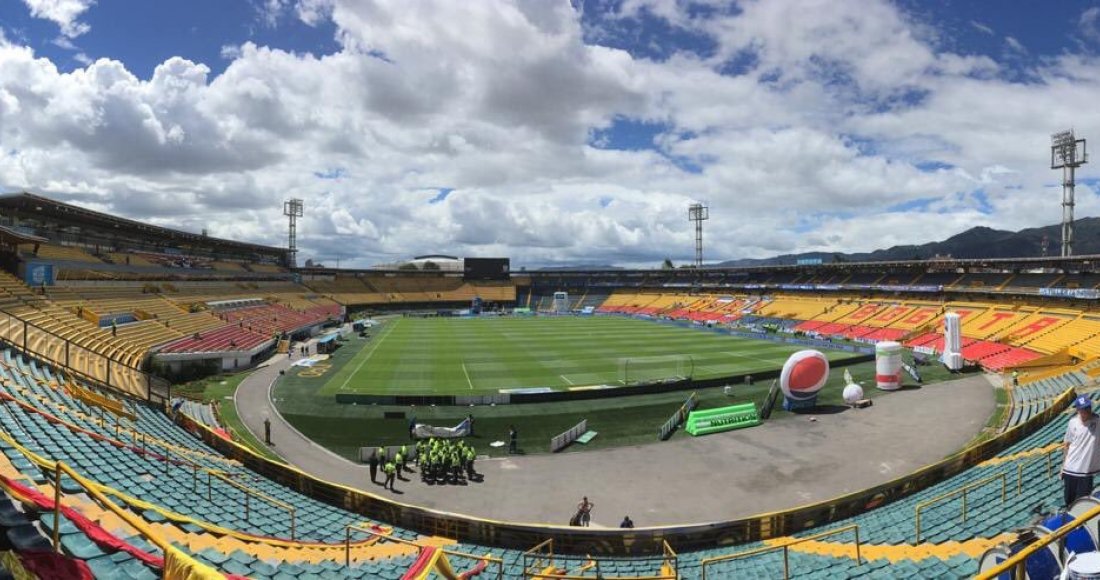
(888, 365)
(952, 341)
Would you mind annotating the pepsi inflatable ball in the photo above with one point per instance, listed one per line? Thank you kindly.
(804, 374)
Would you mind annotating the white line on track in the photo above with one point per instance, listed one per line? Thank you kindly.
(374, 347)
(468, 381)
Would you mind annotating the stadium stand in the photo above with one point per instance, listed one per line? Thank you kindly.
(42, 422)
(132, 481)
(59, 252)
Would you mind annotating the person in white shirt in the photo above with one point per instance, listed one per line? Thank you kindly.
(1080, 450)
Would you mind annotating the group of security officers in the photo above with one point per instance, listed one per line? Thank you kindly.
(445, 460)
(392, 467)
(440, 461)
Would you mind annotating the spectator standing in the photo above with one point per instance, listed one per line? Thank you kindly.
(627, 523)
(513, 440)
(584, 509)
(1080, 451)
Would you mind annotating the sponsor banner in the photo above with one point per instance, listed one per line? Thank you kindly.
(592, 387)
(723, 419)
(526, 391)
(905, 288)
(424, 431)
(1084, 293)
(38, 274)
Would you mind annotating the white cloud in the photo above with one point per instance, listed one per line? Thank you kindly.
(983, 28)
(1015, 45)
(63, 12)
(813, 146)
(1089, 23)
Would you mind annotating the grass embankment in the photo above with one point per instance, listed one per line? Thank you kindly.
(620, 421)
(220, 389)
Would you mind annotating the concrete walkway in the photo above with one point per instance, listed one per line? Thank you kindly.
(778, 465)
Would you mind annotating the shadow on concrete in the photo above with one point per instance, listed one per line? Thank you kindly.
(822, 410)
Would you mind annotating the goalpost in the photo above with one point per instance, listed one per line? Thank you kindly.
(655, 369)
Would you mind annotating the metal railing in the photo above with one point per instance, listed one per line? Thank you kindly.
(99, 369)
(489, 560)
(60, 469)
(786, 550)
(537, 561)
(248, 493)
(1015, 565)
(964, 491)
(1026, 462)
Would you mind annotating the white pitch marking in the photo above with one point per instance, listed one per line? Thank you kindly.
(369, 354)
(468, 381)
(563, 377)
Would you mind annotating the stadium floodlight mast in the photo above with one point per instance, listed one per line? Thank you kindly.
(698, 213)
(292, 209)
(1067, 153)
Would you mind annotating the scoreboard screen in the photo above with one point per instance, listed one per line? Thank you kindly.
(486, 269)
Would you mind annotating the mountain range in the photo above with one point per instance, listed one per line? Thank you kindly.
(977, 242)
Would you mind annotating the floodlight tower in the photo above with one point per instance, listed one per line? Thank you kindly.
(698, 213)
(1067, 153)
(292, 209)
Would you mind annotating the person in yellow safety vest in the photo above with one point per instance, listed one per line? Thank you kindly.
(391, 471)
(404, 455)
(382, 454)
(470, 455)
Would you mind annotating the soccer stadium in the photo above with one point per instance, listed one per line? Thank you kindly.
(232, 347)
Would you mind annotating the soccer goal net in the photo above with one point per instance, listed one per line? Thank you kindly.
(654, 369)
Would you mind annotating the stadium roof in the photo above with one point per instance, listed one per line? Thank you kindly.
(10, 236)
(1084, 262)
(31, 203)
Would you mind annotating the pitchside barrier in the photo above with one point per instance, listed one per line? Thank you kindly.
(815, 343)
(641, 541)
(665, 431)
(562, 441)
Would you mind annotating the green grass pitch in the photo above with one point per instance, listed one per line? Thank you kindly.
(454, 356)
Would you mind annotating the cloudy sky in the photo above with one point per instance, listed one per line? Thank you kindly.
(550, 131)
